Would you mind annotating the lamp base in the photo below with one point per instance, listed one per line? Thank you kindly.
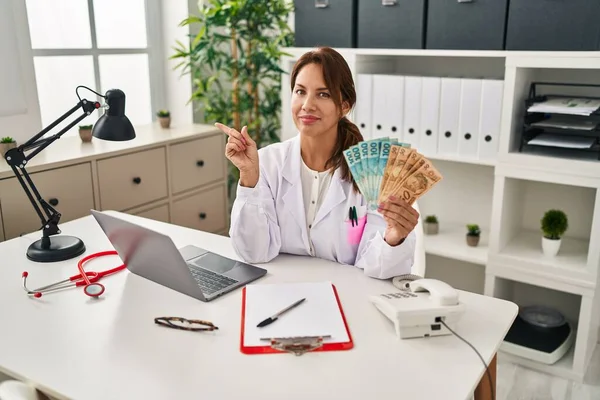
(55, 248)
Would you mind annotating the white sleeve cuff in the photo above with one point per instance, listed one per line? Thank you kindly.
(249, 194)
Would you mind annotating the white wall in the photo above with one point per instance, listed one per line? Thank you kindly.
(178, 88)
(19, 109)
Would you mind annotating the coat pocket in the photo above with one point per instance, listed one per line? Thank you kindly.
(355, 230)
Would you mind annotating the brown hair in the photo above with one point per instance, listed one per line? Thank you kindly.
(338, 79)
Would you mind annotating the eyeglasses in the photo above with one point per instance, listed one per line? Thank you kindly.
(184, 324)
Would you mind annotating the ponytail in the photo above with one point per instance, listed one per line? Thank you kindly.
(348, 135)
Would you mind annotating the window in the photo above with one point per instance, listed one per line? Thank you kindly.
(101, 44)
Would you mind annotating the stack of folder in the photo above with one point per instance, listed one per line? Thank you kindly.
(450, 117)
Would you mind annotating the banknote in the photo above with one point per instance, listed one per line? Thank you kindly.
(373, 165)
(394, 171)
(352, 156)
(419, 182)
(384, 154)
(384, 166)
(364, 154)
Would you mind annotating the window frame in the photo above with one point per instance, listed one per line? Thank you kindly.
(153, 49)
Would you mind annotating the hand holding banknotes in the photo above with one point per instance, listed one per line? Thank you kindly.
(401, 219)
(385, 169)
(242, 151)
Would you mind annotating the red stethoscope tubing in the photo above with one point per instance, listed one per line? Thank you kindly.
(88, 279)
(92, 287)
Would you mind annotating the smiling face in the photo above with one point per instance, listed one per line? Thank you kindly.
(313, 109)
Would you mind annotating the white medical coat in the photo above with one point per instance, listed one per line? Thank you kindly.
(269, 219)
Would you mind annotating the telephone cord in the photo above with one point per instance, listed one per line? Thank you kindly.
(487, 370)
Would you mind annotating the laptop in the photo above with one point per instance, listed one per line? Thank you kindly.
(190, 270)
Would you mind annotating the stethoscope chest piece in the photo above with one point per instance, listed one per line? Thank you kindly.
(94, 289)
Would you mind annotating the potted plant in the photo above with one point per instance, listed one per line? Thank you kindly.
(85, 133)
(234, 58)
(431, 225)
(554, 225)
(7, 143)
(473, 234)
(164, 117)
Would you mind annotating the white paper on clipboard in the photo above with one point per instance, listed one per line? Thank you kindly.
(318, 315)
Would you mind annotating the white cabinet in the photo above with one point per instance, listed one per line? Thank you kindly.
(176, 175)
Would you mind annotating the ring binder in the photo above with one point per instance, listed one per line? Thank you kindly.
(297, 345)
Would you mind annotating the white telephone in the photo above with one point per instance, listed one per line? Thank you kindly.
(418, 310)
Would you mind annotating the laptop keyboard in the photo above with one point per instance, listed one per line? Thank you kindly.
(210, 282)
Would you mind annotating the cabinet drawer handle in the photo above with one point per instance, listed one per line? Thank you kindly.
(321, 3)
(387, 3)
(53, 202)
(202, 215)
(200, 163)
(488, 138)
(137, 180)
(467, 136)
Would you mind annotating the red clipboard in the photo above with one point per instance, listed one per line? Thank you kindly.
(270, 349)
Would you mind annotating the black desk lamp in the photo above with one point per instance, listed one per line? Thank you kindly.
(113, 125)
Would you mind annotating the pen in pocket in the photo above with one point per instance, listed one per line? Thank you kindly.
(353, 215)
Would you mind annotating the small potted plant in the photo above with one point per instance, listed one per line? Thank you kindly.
(7, 143)
(85, 133)
(164, 117)
(431, 225)
(554, 225)
(473, 234)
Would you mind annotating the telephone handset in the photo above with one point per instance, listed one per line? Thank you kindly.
(402, 282)
(420, 309)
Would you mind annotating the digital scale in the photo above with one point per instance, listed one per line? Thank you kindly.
(539, 333)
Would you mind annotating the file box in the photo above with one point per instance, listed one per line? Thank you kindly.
(391, 24)
(325, 23)
(466, 24)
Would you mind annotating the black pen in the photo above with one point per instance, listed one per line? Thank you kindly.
(350, 216)
(274, 317)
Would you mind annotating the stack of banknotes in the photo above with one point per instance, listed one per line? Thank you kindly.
(384, 167)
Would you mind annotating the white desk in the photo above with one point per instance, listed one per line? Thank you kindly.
(72, 346)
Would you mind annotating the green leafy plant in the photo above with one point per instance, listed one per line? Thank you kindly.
(163, 113)
(85, 127)
(431, 219)
(554, 224)
(7, 139)
(473, 230)
(234, 63)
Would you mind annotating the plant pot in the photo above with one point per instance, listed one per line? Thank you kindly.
(165, 122)
(4, 147)
(550, 247)
(85, 135)
(431, 228)
(472, 240)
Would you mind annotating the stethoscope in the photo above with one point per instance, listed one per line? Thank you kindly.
(88, 279)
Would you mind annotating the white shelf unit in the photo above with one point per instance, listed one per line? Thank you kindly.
(506, 194)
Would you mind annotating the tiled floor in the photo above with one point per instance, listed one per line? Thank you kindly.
(518, 383)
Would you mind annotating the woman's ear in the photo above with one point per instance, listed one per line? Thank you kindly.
(345, 108)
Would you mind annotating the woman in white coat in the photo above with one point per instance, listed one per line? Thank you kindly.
(295, 196)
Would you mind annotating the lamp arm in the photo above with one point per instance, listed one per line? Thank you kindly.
(17, 160)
